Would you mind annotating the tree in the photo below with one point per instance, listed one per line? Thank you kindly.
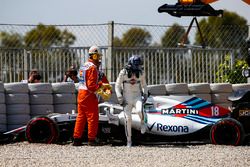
(230, 31)
(11, 40)
(67, 38)
(173, 36)
(47, 36)
(136, 37)
(117, 42)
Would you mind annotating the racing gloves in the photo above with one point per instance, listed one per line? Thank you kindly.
(120, 100)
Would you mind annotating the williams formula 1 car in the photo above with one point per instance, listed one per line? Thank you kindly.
(168, 119)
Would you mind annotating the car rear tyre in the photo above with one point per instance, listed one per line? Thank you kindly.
(42, 130)
(227, 132)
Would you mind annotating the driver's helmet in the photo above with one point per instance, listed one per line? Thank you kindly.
(135, 62)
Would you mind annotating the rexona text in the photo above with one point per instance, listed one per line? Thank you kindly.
(171, 128)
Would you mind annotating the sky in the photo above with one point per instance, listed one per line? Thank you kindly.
(68, 12)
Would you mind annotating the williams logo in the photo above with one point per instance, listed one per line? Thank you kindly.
(179, 111)
(169, 128)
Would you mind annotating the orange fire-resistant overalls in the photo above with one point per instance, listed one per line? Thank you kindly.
(87, 101)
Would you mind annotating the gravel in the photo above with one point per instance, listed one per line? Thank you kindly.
(24, 154)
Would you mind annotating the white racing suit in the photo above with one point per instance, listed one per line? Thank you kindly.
(129, 92)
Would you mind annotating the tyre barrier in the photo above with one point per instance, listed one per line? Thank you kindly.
(40, 88)
(199, 88)
(241, 86)
(64, 97)
(15, 109)
(17, 104)
(16, 87)
(65, 108)
(221, 88)
(63, 87)
(157, 90)
(41, 109)
(177, 88)
(41, 99)
(17, 98)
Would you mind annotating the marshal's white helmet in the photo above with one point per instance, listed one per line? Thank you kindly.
(94, 49)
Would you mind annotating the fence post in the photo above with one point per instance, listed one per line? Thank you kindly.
(110, 50)
(25, 64)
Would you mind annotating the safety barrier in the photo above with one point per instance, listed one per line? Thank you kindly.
(21, 101)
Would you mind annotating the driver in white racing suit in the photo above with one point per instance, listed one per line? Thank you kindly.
(131, 90)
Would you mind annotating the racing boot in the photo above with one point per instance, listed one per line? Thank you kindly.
(129, 144)
(129, 141)
(77, 142)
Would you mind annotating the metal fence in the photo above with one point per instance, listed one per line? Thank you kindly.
(160, 65)
(53, 48)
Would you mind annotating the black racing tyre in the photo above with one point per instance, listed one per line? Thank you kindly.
(227, 131)
(42, 130)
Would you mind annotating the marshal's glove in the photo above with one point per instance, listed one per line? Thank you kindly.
(104, 91)
(106, 86)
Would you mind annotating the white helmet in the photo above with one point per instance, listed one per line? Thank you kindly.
(94, 49)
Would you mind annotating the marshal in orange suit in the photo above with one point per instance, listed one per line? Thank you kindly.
(88, 89)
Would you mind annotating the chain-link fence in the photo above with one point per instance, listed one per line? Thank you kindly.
(53, 48)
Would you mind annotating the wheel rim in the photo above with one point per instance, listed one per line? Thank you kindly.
(227, 133)
(41, 130)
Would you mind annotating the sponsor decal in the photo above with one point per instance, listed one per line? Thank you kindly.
(169, 128)
(244, 113)
(81, 73)
(179, 111)
(151, 127)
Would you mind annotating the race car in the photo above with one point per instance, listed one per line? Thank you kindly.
(169, 119)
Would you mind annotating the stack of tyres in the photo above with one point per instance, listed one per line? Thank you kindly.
(200, 90)
(17, 104)
(3, 118)
(242, 86)
(64, 97)
(220, 93)
(157, 90)
(177, 89)
(41, 99)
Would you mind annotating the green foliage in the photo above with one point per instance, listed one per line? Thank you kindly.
(117, 42)
(231, 75)
(9, 40)
(230, 31)
(39, 37)
(135, 37)
(47, 36)
(173, 36)
(67, 38)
